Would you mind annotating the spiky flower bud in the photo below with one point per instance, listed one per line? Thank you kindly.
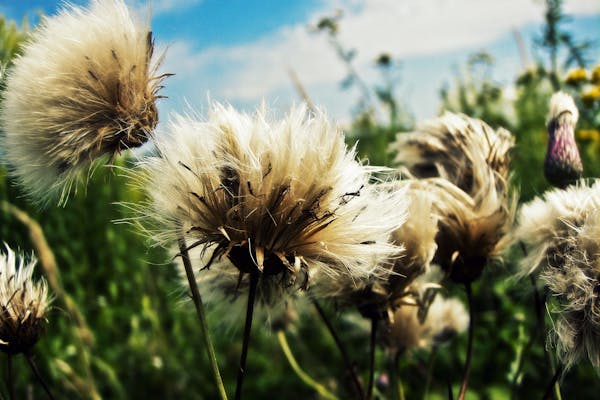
(23, 304)
(562, 235)
(84, 87)
(562, 165)
(284, 200)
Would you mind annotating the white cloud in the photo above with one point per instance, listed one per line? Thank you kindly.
(164, 6)
(252, 71)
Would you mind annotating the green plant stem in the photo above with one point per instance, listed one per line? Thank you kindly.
(342, 349)
(254, 275)
(430, 365)
(39, 377)
(11, 378)
(467, 369)
(372, 358)
(189, 272)
(553, 383)
(323, 392)
(396, 382)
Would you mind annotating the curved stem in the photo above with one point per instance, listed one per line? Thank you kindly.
(39, 377)
(467, 370)
(11, 378)
(189, 272)
(323, 392)
(349, 364)
(372, 358)
(553, 383)
(254, 275)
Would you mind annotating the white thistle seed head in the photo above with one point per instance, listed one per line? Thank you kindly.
(466, 163)
(561, 233)
(546, 223)
(380, 296)
(446, 318)
(84, 87)
(457, 148)
(286, 200)
(23, 304)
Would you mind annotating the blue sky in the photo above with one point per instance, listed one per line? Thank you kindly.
(240, 51)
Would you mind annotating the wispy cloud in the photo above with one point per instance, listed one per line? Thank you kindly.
(249, 72)
(167, 6)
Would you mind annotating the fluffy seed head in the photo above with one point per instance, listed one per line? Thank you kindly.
(466, 163)
(84, 87)
(445, 319)
(457, 148)
(561, 232)
(546, 223)
(381, 295)
(284, 199)
(23, 304)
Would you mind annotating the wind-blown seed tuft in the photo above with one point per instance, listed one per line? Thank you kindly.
(561, 233)
(85, 87)
(466, 163)
(23, 304)
(283, 199)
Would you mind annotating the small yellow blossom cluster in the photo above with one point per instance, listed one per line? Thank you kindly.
(586, 83)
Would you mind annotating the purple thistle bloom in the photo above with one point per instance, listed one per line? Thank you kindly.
(562, 165)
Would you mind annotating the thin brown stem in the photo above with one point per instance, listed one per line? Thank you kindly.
(467, 369)
(374, 322)
(254, 275)
(342, 349)
(197, 299)
(39, 377)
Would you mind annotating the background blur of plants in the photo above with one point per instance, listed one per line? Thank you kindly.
(140, 337)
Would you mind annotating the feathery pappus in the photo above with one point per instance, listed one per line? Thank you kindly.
(457, 148)
(446, 318)
(23, 304)
(85, 87)
(561, 232)
(466, 163)
(380, 296)
(282, 199)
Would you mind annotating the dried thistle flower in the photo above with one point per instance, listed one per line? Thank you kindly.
(23, 304)
(85, 87)
(457, 148)
(445, 319)
(575, 285)
(466, 163)
(562, 165)
(284, 200)
(546, 223)
(380, 296)
(561, 232)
